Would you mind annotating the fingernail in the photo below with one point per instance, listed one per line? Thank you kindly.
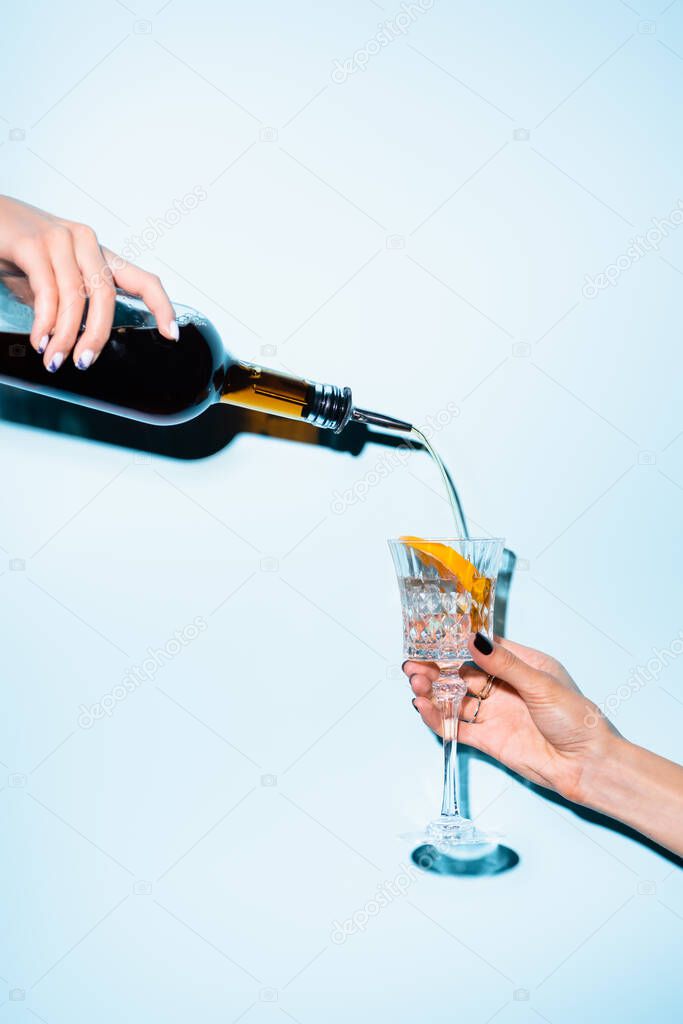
(174, 330)
(42, 344)
(85, 359)
(56, 362)
(483, 644)
(415, 705)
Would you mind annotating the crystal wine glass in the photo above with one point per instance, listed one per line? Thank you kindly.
(447, 592)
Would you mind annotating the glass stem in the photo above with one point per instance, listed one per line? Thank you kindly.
(449, 706)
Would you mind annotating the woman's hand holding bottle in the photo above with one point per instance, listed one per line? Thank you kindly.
(65, 265)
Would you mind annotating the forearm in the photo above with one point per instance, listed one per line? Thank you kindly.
(640, 789)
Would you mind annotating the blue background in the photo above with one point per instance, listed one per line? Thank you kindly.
(421, 231)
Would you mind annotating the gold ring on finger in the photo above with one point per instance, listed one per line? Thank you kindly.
(487, 687)
(473, 719)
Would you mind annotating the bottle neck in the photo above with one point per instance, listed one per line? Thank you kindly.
(281, 394)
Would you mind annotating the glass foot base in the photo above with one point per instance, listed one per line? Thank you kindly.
(448, 834)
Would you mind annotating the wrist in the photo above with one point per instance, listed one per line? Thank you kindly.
(639, 788)
(608, 780)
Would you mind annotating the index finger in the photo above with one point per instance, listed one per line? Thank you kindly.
(500, 661)
(537, 659)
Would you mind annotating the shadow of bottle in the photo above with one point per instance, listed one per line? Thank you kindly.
(199, 438)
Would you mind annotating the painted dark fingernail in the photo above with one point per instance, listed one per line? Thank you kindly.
(483, 644)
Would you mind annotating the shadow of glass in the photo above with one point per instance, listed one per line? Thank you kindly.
(500, 859)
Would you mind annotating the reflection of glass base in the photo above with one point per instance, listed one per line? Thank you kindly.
(458, 836)
(491, 860)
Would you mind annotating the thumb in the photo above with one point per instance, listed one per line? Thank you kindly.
(499, 661)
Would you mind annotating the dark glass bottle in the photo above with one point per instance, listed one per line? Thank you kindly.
(144, 376)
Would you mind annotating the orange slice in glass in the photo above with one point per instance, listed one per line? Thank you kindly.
(442, 557)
